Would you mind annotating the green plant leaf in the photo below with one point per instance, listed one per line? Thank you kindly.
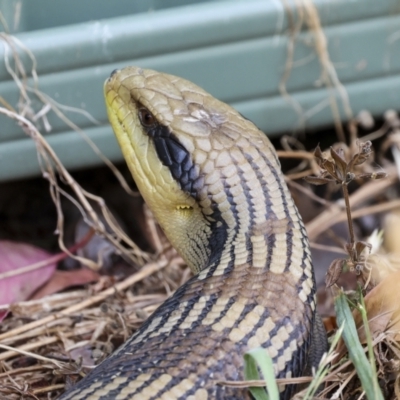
(363, 367)
(259, 358)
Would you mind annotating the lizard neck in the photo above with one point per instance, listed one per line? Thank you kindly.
(262, 227)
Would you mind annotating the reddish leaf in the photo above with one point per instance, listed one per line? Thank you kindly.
(63, 279)
(18, 287)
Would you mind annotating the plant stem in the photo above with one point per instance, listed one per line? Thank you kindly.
(348, 211)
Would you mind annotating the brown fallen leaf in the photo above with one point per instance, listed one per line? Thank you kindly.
(391, 228)
(330, 324)
(383, 309)
(385, 260)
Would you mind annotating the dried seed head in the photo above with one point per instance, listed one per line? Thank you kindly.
(366, 147)
(349, 177)
(365, 119)
(358, 268)
(329, 167)
(362, 155)
(391, 116)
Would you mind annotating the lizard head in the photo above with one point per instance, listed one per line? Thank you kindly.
(182, 146)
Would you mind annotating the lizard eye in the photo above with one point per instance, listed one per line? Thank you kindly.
(146, 118)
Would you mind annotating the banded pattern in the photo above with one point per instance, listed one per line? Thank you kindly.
(213, 182)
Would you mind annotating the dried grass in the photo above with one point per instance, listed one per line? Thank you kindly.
(38, 338)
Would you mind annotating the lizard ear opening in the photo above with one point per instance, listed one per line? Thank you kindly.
(184, 207)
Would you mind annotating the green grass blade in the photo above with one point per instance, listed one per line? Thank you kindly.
(362, 309)
(356, 352)
(323, 368)
(260, 358)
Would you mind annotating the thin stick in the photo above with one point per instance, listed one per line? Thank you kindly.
(324, 247)
(304, 155)
(21, 371)
(49, 388)
(49, 302)
(377, 208)
(29, 354)
(308, 192)
(301, 174)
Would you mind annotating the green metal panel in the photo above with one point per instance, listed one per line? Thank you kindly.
(30, 15)
(235, 49)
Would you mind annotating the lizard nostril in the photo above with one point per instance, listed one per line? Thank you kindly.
(114, 72)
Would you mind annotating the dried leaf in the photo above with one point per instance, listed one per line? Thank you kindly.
(360, 246)
(353, 162)
(330, 168)
(362, 155)
(318, 155)
(334, 271)
(14, 256)
(340, 162)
